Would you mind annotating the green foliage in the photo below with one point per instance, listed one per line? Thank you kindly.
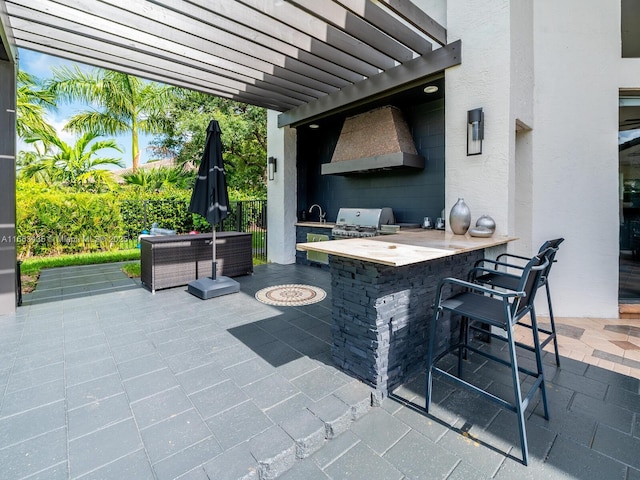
(244, 137)
(32, 99)
(54, 222)
(167, 208)
(132, 269)
(76, 166)
(160, 178)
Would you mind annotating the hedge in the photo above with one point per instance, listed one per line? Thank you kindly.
(54, 222)
(168, 210)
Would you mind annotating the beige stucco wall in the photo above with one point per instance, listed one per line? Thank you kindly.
(281, 194)
(556, 68)
(521, 98)
(436, 9)
(575, 149)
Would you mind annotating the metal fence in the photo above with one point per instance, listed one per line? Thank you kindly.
(250, 216)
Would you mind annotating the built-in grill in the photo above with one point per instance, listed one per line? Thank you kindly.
(361, 222)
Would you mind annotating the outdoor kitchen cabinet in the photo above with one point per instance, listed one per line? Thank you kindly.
(314, 230)
(175, 260)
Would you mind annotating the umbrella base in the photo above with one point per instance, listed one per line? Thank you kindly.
(206, 288)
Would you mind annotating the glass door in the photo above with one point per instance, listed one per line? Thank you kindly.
(629, 210)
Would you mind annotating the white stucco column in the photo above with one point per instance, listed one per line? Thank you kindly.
(483, 80)
(575, 149)
(281, 192)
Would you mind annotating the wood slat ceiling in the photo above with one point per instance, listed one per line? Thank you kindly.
(279, 54)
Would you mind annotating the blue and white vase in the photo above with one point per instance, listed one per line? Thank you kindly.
(460, 217)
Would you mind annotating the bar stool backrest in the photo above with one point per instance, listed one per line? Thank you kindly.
(555, 244)
(530, 281)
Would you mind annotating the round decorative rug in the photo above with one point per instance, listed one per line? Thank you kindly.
(290, 295)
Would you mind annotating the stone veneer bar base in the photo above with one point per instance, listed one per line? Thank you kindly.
(381, 316)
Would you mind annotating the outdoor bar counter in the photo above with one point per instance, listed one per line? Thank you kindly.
(383, 290)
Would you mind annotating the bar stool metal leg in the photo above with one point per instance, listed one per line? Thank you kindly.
(519, 408)
(430, 356)
(553, 334)
(538, 353)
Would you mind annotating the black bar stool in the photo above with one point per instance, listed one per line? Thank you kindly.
(478, 305)
(502, 279)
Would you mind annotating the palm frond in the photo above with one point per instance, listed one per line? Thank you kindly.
(100, 122)
(107, 161)
(72, 84)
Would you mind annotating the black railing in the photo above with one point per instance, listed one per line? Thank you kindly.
(250, 216)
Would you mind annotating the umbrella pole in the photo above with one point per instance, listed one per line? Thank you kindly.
(213, 258)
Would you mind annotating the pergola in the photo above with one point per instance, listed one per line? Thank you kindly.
(293, 56)
(304, 58)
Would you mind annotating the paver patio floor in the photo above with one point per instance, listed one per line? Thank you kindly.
(102, 379)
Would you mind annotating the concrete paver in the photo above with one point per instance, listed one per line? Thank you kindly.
(102, 379)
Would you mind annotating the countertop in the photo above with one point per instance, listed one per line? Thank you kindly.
(315, 224)
(404, 248)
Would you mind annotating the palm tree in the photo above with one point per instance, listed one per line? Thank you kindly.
(31, 102)
(123, 103)
(75, 166)
(159, 178)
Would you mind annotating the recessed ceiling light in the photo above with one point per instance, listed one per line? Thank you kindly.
(431, 89)
(314, 125)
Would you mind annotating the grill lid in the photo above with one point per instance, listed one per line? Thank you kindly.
(365, 217)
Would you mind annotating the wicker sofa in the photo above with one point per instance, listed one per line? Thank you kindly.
(175, 260)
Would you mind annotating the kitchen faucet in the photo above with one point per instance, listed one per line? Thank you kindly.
(322, 215)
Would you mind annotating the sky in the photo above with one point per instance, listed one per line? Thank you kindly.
(39, 65)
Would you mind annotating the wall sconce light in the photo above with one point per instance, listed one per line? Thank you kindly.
(475, 131)
(271, 167)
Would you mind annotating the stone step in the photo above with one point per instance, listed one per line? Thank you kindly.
(274, 451)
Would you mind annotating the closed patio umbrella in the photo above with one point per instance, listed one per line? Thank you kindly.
(211, 200)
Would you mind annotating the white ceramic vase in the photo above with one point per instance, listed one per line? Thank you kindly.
(460, 217)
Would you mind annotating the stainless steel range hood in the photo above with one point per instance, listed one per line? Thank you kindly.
(376, 140)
